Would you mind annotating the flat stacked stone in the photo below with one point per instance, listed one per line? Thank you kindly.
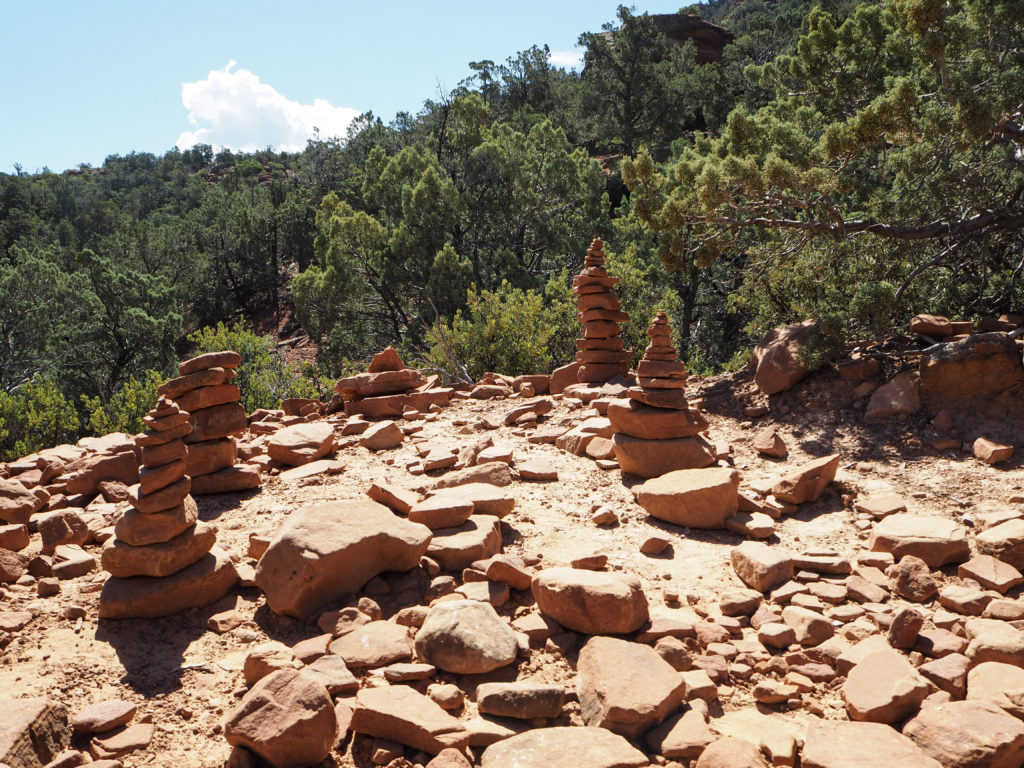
(600, 354)
(162, 559)
(655, 431)
(389, 388)
(205, 390)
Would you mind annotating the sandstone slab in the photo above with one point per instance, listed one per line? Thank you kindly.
(328, 551)
(884, 688)
(698, 498)
(585, 747)
(398, 713)
(591, 601)
(301, 443)
(842, 744)
(968, 734)
(936, 540)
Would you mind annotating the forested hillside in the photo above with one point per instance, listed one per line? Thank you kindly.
(857, 161)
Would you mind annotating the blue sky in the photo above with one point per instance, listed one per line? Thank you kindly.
(83, 80)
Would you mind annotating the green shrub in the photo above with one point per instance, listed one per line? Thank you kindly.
(124, 411)
(34, 417)
(508, 331)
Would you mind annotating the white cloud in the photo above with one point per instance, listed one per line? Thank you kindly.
(235, 110)
(567, 59)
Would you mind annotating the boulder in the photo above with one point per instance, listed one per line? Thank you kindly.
(386, 382)
(998, 683)
(991, 452)
(761, 567)
(884, 688)
(386, 360)
(62, 526)
(399, 713)
(809, 627)
(842, 744)
(465, 637)
(991, 573)
(328, 551)
(563, 377)
(301, 443)
(382, 436)
(625, 687)
(777, 357)
(585, 747)
(685, 735)
(808, 481)
(980, 375)
(287, 718)
(373, 644)
(143, 597)
(92, 470)
(1004, 541)
(697, 498)
(896, 399)
(994, 640)
(476, 539)
(591, 602)
(442, 510)
(652, 458)
(17, 503)
(968, 734)
(730, 752)
(216, 422)
(936, 540)
(935, 326)
(209, 456)
(32, 732)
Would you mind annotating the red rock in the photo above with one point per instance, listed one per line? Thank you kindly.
(14, 537)
(160, 559)
(373, 644)
(395, 405)
(761, 567)
(897, 398)
(590, 601)
(521, 700)
(103, 716)
(998, 683)
(584, 747)
(730, 752)
(980, 375)
(400, 714)
(992, 452)
(328, 551)
(225, 359)
(240, 477)
(17, 503)
(883, 688)
(936, 540)
(777, 357)
(968, 734)
(491, 473)
(399, 499)
(152, 479)
(912, 580)
(476, 539)
(32, 731)
(936, 326)
(563, 377)
(948, 673)
(71, 561)
(287, 718)
(698, 498)
(167, 497)
(63, 526)
(201, 583)
(386, 360)
(301, 443)
(840, 744)
(382, 436)
(382, 383)
(207, 397)
(218, 421)
(991, 573)
(210, 456)
(204, 378)
(625, 687)
(465, 637)
(123, 466)
(808, 481)
(811, 628)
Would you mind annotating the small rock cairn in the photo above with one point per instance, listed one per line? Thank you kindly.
(655, 430)
(203, 389)
(161, 559)
(601, 355)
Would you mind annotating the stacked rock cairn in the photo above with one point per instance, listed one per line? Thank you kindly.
(600, 352)
(655, 431)
(162, 559)
(203, 389)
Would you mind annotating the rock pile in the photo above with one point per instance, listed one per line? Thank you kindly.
(655, 431)
(601, 356)
(204, 390)
(388, 388)
(162, 560)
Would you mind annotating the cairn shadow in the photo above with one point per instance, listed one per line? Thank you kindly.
(212, 506)
(153, 651)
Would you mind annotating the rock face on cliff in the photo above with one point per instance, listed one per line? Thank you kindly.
(710, 39)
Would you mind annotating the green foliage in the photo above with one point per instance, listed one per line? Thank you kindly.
(35, 416)
(507, 331)
(125, 410)
(826, 343)
(264, 378)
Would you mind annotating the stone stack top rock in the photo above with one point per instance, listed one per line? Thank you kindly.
(162, 560)
(601, 356)
(389, 388)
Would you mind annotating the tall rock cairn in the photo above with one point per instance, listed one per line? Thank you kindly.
(205, 391)
(655, 430)
(162, 560)
(600, 352)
